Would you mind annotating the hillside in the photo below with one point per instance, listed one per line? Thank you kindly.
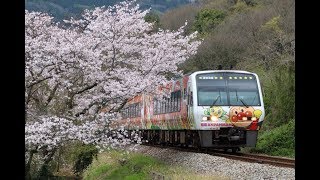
(252, 35)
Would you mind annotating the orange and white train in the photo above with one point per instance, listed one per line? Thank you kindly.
(213, 109)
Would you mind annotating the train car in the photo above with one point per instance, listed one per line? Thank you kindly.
(210, 109)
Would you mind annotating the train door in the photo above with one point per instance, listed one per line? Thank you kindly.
(190, 114)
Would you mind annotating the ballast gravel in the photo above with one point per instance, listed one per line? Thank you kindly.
(214, 165)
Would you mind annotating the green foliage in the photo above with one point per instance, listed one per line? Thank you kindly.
(250, 2)
(257, 36)
(122, 166)
(279, 141)
(44, 171)
(240, 6)
(279, 96)
(153, 17)
(98, 171)
(135, 168)
(207, 19)
(273, 24)
(83, 157)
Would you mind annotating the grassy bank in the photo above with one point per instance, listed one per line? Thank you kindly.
(135, 166)
(279, 141)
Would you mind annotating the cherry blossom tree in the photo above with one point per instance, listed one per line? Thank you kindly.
(97, 62)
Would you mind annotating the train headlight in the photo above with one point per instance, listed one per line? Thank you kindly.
(214, 118)
(205, 118)
(253, 118)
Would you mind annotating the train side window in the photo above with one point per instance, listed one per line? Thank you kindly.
(178, 100)
(132, 110)
(168, 105)
(158, 107)
(172, 102)
(185, 95)
(188, 99)
(162, 107)
(175, 101)
(136, 110)
(129, 112)
(191, 98)
(154, 106)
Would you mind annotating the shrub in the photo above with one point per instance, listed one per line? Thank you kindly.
(83, 157)
(207, 19)
(279, 141)
(280, 96)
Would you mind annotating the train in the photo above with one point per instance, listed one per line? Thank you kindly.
(218, 109)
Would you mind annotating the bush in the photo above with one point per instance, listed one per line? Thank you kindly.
(83, 157)
(207, 19)
(279, 141)
(280, 96)
(153, 17)
(136, 167)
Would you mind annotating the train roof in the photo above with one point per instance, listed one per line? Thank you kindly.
(211, 71)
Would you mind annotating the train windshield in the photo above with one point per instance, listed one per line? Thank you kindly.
(227, 89)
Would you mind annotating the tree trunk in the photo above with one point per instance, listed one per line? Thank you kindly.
(27, 170)
(59, 157)
(44, 172)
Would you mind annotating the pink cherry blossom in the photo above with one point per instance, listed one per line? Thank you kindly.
(99, 61)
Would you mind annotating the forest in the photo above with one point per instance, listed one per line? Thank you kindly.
(251, 35)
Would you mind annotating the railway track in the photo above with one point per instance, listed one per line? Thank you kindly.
(254, 158)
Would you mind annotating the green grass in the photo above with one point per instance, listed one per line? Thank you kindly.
(117, 165)
(96, 172)
(279, 141)
(137, 167)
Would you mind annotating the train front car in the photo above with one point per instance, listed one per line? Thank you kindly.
(227, 108)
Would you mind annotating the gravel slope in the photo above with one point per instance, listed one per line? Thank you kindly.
(214, 165)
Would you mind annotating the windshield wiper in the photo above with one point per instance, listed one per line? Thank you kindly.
(214, 102)
(254, 98)
(242, 101)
